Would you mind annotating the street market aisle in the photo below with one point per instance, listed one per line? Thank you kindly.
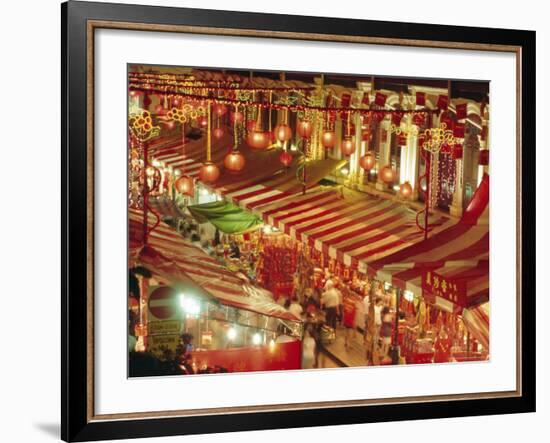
(355, 355)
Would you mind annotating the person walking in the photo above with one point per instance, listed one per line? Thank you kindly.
(308, 350)
(330, 301)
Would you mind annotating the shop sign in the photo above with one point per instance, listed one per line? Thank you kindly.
(436, 285)
(164, 327)
(163, 302)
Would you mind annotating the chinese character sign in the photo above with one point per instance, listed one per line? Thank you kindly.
(436, 285)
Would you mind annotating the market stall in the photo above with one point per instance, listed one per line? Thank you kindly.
(193, 293)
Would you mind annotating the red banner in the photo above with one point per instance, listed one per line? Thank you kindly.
(380, 99)
(436, 285)
(458, 130)
(461, 111)
(420, 98)
(443, 102)
(345, 100)
(396, 118)
(276, 357)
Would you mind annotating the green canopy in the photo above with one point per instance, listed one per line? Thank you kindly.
(225, 216)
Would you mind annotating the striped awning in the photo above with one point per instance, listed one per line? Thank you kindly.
(477, 322)
(460, 252)
(263, 169)
(352, 227)
(171, 258)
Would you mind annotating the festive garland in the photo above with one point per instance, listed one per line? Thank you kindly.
(291, 107)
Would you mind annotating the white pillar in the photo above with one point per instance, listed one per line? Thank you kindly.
(384, 154)
(354, 168)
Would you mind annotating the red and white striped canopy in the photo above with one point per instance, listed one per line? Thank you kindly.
(477, 322)
(460, 252)
(171, 258)
(353, 228)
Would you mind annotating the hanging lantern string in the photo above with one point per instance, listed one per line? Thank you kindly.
(218, 87)
(183, 148)
(208, 135)
(270, 101)
(349, 123)
(235, 140)
(259, 104)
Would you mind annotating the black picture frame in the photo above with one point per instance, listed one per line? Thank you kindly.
(77, 425)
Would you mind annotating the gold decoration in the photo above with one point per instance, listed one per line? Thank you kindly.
(186, 112)
(142, 126)
(437, 137)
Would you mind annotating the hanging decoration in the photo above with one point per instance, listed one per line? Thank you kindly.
(483, 159)
(348, 144)
(458, 151)
(185, 185)
(367, 161)
(236, 117)
(218, 133)
(304, 128)
(282, 132)
(286, 158)
(405, 190)
(328, 139)
(234, 161)
(388, 174)
(209, 172)
(142, 126)
(257, 138)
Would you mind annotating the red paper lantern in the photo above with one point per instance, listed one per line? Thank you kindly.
(234, 161)
(159, 109)
(134, 93)
(209, 172)
(258, 140)
(282, 132)
(483, 157)
(405, 190)
(203, 121)
(367, 161)
(458, 151)
(328, 139)
(286, 158)
(236, 117)
(218, 133)
(185, 185)
(387, 174)
(348, 146)
(219, 109)
(304, 128)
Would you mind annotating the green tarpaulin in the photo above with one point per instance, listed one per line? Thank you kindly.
(225, 216)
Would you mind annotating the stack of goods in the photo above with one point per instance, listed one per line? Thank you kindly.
(276, 268)
(416, 349)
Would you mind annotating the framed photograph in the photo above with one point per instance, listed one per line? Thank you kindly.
(283, 221)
